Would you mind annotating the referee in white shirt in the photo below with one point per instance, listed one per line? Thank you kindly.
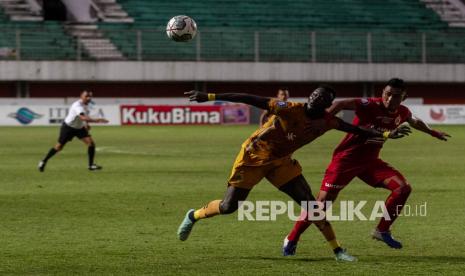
(76, 124)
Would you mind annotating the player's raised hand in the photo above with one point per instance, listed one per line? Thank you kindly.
(440, 135)
(400, 132)
(197, 96)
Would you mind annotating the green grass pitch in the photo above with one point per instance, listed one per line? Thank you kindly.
(123, 219)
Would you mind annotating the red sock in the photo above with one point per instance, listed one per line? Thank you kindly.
(299, 227)
(394, 203)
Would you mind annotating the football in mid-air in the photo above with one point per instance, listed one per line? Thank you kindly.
(181, 28)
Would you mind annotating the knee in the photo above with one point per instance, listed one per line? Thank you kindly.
(399, 186)
(59, 147)
(321, 225)
(228, 207)
(91, 144)
(406, 189)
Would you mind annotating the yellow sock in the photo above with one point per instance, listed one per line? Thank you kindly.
(209, 210)
(334, 244)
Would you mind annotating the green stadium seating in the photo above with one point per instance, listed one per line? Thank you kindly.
(227, 31)
(379, 31)
(39, 40)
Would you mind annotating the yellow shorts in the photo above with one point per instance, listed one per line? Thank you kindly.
(278, 172)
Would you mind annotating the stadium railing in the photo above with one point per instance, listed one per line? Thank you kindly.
(248, 46)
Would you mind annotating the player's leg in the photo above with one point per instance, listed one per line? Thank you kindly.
(336, 177)
(298, 189)
(229, 204)
(381, 175)
(303, 223)
(66, 135)
(242, 180)
(87, 139)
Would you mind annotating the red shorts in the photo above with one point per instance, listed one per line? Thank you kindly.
(340, 173)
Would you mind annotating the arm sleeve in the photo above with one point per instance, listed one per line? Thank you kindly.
(363, 106)
(407, 114)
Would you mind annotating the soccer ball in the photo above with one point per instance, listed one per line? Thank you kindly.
(181, 28)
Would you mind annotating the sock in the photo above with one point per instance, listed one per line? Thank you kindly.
(299, 227)
(91, 154)
(394, 203)
(209, 210)
(50, 153)
(335, 245)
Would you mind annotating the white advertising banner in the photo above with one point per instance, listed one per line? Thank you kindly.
(439, 114)
(43, 115)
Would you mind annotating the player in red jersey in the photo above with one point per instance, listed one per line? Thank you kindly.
(358, 156)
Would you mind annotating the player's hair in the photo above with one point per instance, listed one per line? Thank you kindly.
(283, 88)
(396, 83)
(327, 89)
(85, 91)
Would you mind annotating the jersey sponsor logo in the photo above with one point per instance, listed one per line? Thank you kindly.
(334, 186)
(384, 119)
(291, 136)
(364, 101)
(25, 116)
(159, 115)
(281, 104)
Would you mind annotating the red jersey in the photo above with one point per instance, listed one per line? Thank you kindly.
(369, 113)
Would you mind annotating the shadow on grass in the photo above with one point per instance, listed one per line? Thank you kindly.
(367, 259)
(414, 259)
(286, 259)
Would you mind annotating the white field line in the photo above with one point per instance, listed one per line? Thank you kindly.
(118, 151)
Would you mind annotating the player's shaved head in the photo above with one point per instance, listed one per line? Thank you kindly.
(320, 99)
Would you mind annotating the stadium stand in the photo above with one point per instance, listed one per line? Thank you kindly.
(380, 31)
(343, 30)
(39, 40)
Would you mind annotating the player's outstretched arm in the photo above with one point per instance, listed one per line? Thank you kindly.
(417, 123)
(337, 106)
(257, 101)
(88, 119)
(397, 133)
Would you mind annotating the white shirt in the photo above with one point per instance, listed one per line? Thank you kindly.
(72, 119)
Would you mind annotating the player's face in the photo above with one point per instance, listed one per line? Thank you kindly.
(283, 95)
(392, 97)
(86, 97)
(318, 101)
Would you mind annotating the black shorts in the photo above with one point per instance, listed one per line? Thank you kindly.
(67, 133)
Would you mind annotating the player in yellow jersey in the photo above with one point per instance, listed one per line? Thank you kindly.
(268, 154)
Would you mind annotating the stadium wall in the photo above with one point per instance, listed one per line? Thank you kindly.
(226, 71)
(430, 93)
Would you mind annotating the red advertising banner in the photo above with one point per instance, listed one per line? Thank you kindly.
(184, 115)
